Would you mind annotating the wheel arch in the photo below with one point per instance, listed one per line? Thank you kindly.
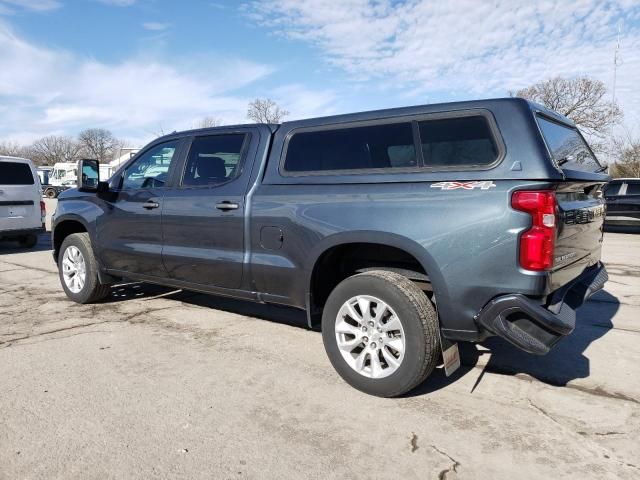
(64, 227)
(400, 243)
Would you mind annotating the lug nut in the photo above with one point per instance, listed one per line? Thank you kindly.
(371, 324)
(365, 339)
(373, 345)
(364, 329)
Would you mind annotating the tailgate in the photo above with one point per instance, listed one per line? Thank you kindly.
(581, 211)
(581, 208)
(18, 208)
(19, 196)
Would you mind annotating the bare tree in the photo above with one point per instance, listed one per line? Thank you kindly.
(208, 122)
(52, 149)
(12, 149)
(581, 99)
(265, 110)
(99, 143)
(627, 157)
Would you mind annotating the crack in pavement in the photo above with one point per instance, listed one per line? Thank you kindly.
(414, 442)
(454, 464)
(11, 342)
(598, 391)
(543, 412)
(31, 267)
(608, 453)
(127, 319)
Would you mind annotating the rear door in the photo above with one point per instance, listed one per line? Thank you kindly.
(203, 215)
(19, 196)
(580, 203)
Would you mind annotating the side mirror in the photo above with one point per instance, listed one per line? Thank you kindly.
(89, 175)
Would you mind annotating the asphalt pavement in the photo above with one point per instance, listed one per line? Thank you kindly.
(162, 383)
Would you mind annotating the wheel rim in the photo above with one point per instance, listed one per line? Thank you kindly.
(74, 269)
(370, 336)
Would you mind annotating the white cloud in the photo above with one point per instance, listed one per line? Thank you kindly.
(45, 91)
(464, 47)
(155, 26)
(118, 3)
(9, 6)
(302, 102)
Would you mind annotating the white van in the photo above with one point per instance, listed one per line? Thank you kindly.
(22, 211)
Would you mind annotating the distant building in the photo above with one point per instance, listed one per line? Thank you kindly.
(123, 156)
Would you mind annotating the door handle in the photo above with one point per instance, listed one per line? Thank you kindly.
(149, 205)
(226, 205)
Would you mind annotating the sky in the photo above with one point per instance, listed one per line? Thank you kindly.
(142, 67)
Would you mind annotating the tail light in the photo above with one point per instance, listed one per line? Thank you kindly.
(537, 243)
(43, 211)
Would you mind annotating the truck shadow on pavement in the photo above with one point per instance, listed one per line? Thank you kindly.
(565, 362)
(9, 247)
(272, 313)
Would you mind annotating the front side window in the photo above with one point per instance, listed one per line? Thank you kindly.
(455, 142)
(213, 160)
(151, 169)
(352, 148)
(568, 148)
(13, 173)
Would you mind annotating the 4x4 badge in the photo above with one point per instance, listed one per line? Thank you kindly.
(483, 185)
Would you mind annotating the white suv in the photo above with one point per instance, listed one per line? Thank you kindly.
(22, 211)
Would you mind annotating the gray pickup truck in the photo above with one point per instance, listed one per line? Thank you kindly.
(400, 231)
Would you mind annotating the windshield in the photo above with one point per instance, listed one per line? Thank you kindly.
(568, 148)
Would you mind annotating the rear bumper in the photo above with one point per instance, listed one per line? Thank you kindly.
(535, 328)
(622, 220)
(10, 234)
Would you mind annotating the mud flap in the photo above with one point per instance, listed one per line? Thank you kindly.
(449, 349)
(450, 355)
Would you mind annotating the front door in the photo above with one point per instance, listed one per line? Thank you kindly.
(130, 231)
(203, 215)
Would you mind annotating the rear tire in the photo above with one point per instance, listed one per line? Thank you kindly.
(28, 241)
(50, 193)
(78, 270)
(400, 346)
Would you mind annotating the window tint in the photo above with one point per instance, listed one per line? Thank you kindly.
(633, 188)
(567, 146)
(376, 146)
(12, 173)
(150, 170)
(452, 142)
(213, 160)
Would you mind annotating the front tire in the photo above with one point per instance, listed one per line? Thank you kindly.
(78, 270)
(380, 332)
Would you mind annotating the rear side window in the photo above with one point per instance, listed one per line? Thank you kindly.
(633, 188)
(389, 146)
(13, 173)
(568, 148)
(213, 160)
(455, 142)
